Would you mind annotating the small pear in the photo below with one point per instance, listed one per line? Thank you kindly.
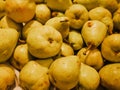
(8, 41)
(57, 14)
(33, 76)
(21, 56)
(61, 24)
(42, 13)
(29, 26)
(2, 8)
(93, 33)
(78, 15)
(75, 39)
(110, 76)
(20, 11)
(89, 78)
(110, 48)
(64, 72)
(58, 5)
(44, 41)
(89, 4)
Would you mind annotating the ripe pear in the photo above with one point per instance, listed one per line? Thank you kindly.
(110, 48)
(20, 11)
(8, 41)
(7, 77)
(42, 13)
(89, 4)
(89, 78)
(61, 24)
(64, 72)
(29, 26)
(104, 15)
(110, 76)
(75, 39)
(58, 5)
(20, 56)
(93, 33)
(2, 8)
(33, 76)
(112, 5)
(78, 15)
(44, 41)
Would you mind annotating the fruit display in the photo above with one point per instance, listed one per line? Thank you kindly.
(59, 45)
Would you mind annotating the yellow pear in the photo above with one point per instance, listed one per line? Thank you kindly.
(64, 72)
(7, 77)
(42, 13)
(110, 76)
(20, 11)
(110, 48)
(2, 8)
(33, 76)
(78, 15)
(89, 78)
(44, 41)
(8, 41)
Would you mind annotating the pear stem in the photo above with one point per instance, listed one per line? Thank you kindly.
(88, 48)
(21, 41)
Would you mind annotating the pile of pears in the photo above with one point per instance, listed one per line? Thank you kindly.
(59, 45)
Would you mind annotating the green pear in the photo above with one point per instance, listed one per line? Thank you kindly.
(20, 11)
(64, 72)
(28, 26)
(7, 77)
(8, 41)
(75, 40)
(93, 58)
(2, 8)
(110, 76)
(20, 56)
(33, 76)
(89, 78)
(110, 48)
(61, 24)
(78, 15)
(104, 15)
(112, 5)
(93, 33)
(89, 4)
(58, 5)
(44, 41)
(42, 13)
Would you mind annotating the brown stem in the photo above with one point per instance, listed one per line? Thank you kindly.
(88, 48)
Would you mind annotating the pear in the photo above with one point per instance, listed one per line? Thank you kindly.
(57, 14)
(66, 50)
(89, 4)
(7, 77)
(78, 15)
(93, 58)
(44, 41)
(89, 78)
(45, 62)
(8, 41)
(42, 13)
(64, 72)
(2, 8)
(33, 76)
(61, 24)
(110, 48)
(93, 33)
(75, 39)
(28, 26)
(112, 5)
(104, 15)
(20, 11)
(20, 57)
(110, 76)
(39, 1)
(58, 5)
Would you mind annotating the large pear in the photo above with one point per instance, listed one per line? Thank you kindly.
(44, 41)
(110, 48)
(8, 41)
